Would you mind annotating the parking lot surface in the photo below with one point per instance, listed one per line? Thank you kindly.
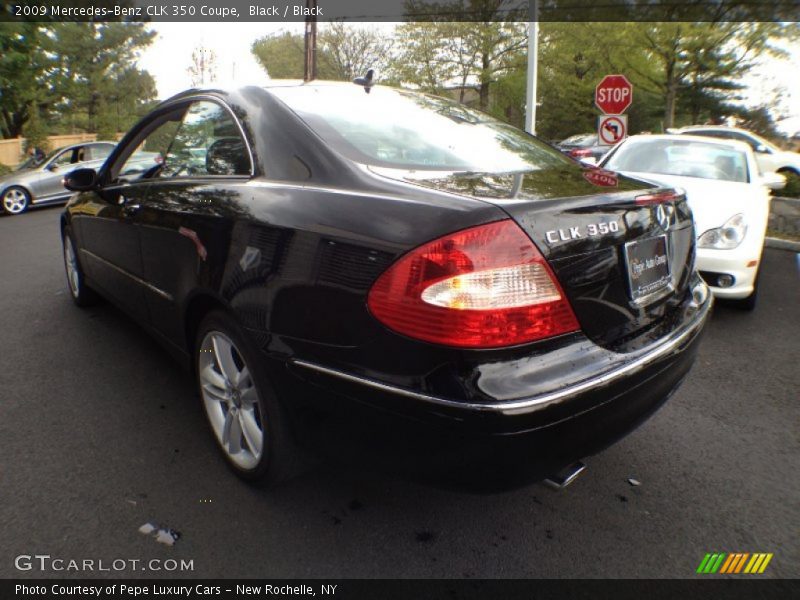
(100, 433)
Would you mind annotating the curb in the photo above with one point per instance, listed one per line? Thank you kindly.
(772, 242)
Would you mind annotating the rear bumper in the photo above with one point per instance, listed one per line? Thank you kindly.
(580, 399)
(571, 380)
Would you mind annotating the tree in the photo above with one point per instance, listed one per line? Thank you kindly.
(472, 54)
(697, 62)
(344, 52)
(22, 69)
(281, 55)
(203, 69)
(90, 62)
(347, 51)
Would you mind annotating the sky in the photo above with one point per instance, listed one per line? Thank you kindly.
(170, 55)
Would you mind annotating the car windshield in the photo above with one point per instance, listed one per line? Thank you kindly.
(682, 158)
(31, 161)
(403, 130)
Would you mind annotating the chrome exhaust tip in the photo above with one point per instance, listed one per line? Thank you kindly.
(565, 476)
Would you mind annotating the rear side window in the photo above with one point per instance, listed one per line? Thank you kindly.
(396, 129)
(98, 151)
(208, 142)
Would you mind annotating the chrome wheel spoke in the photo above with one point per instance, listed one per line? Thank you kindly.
(253, 436)
(223, 352)
(213, 379)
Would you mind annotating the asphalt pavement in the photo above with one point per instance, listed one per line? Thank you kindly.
(100, 433)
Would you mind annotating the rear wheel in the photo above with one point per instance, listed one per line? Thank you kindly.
(16, 200)
(240, 404)
(81, 294)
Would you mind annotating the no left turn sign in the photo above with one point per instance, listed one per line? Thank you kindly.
(611, 129)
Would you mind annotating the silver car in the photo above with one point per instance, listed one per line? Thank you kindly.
(42, 183)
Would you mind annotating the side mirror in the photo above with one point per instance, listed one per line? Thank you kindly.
(774, 181)
(52, 167)
(762, 149)
(81, 180)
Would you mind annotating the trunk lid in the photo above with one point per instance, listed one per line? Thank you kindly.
(605, 237)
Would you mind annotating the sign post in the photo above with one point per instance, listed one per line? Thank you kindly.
(613, 95)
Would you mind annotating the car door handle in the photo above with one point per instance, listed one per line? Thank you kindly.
(131, 209)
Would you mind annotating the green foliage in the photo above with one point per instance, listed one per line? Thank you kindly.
(4, 169)
(72, 76)
(344, 52)
(281, 55)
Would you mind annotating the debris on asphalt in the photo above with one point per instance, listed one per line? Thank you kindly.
(634, 482)
(167, 536)
(162, 535)
(147, 529)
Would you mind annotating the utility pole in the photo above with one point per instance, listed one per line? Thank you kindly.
(310, 70)
(533, 60)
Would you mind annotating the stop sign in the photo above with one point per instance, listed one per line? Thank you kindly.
(613, 94)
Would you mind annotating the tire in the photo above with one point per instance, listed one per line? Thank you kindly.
(81, 294)
(750, 302)
(241, 406)
(15, 200)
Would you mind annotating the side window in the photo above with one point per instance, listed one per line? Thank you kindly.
(150, 153)
(64, 159)
(99, 151)
(208, 142)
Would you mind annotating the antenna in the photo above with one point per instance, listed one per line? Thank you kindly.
(366, 80)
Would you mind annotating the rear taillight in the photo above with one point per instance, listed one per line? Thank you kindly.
(578, 152)
(483, 287)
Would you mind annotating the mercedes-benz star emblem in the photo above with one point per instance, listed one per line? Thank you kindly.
(664, 214)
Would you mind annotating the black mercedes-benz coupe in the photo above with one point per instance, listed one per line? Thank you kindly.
(340, 262)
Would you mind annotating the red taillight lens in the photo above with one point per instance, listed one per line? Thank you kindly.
(483, 287)
(578, 152)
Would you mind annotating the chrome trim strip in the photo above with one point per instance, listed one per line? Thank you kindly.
(525, 404)
(138, 280)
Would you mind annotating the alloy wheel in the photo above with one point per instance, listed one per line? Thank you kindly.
(231, 400)
(71, 262)
(15, 201)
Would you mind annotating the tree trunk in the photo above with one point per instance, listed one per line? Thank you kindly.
(484, 91)
(671, 97)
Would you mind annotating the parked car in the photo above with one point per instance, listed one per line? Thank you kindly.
(728, 195)
(39, 183)
(583, 146)
(42, 183)
(768, 155)
(393, 266)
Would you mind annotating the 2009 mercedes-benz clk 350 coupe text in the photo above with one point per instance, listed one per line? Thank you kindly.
(394, 264)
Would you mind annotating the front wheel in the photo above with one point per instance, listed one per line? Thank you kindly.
(240, 404)
(16, 200)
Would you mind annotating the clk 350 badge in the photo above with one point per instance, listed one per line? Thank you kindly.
(573, 233)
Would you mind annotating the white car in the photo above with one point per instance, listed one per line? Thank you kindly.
(769, 156)
(728, 195)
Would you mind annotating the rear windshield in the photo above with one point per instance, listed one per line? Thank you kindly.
(683, 158)
(405, 130)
